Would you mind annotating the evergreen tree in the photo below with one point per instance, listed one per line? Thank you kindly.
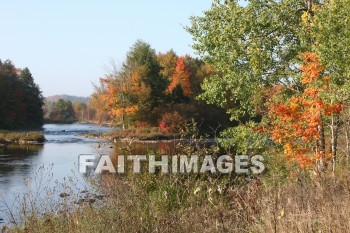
(20, 98)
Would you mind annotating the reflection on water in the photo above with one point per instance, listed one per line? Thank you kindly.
(15, 159)
(16, 162)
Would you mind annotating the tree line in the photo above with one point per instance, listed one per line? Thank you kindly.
(156, 89)
(20, 98)
(64, 110)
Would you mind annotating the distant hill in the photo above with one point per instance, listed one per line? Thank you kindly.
(72, 98)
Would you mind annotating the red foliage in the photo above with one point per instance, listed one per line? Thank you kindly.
(171, 122)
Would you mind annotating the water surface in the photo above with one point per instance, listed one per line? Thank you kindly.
(58, 155)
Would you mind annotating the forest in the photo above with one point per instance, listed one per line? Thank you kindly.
(21, 100)
(152, 89)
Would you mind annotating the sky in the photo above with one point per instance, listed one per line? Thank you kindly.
(66, 44)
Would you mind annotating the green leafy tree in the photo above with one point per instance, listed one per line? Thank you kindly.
(250, 46)
(330, 33)
(62, 112)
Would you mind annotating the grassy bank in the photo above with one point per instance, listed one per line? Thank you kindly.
(10, 137)
(208, 204)
(284, 199)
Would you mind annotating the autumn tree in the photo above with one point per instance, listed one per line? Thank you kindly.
(123, 93)
(255, 47)
(80, 110)
(181, 79)
(298, 122)
(142, 59)
(98, 108)
(146, 87)
(200, 72)
(167, 62)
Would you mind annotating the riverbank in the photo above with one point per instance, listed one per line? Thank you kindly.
(149, 134)
(283, 199)
(103, 124)
(280, 201)
(14, 137)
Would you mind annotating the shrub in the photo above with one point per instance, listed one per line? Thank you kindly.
(171, 122)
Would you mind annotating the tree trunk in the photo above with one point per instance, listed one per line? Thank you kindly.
(321, 165)
(334, 140)
(347, 149)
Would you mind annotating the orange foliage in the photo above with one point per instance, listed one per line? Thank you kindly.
(122, 97)
(138, 88)
(181, 77)
(296, 122)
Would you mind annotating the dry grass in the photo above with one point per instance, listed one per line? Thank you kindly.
(282, 200)
(21, 137)
(174, 203)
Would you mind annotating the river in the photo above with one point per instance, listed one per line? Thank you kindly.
(57, 158)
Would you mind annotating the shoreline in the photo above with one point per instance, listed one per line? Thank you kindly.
(144, 141)
(21, 138)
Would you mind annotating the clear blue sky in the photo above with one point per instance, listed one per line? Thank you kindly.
(67, 43)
